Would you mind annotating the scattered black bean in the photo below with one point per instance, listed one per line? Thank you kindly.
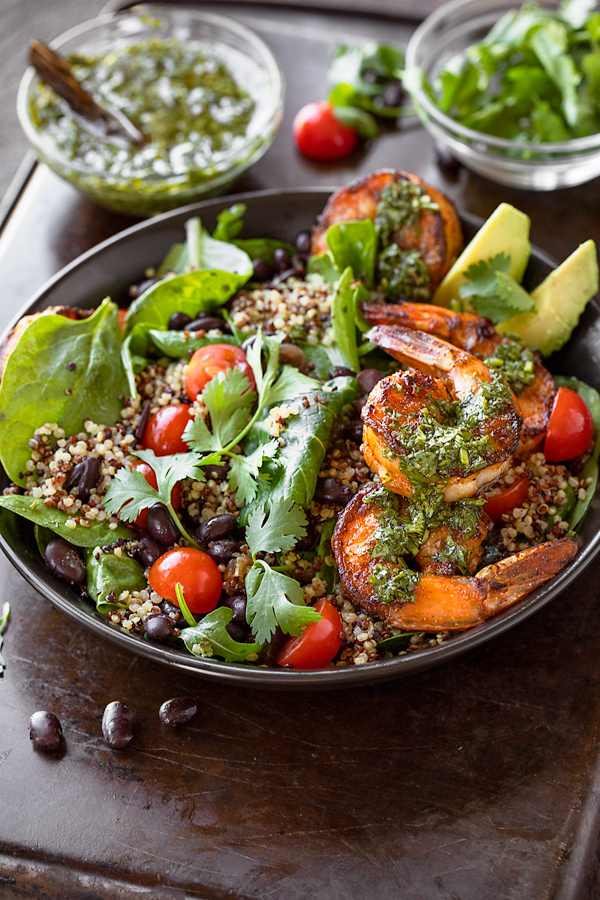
(308, 541)
(281, 259)
(208, 323)
(338, 371)
(218, 527)
(148, 551)
(160, 525)
(261, 270)
(290, 355)
(354, 432)
(303, 243)
(45, 731)
(217, 472)
(368, 378)
(237, 603)
(117, 725)
(178, 321)
(158, 627)
(287, 273)
(143, 421)
(222, 551)
(84, 476)
(393, 94)
(330, 490)
(177, 711)
(64, 562)
(145, 285)
(170, 608)
(236, 631)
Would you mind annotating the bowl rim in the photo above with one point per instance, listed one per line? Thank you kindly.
(231, 160)
(414, 74)
(239, 674)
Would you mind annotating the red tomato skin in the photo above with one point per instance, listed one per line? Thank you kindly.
(318, 643)
(150, 476)
(164, 429)
(570, 428)
(513, 496)
(209, 361)
(122, 313)
(198, 574)
(320, 135)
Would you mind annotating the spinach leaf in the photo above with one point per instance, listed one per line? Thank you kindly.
(323, 359)
(351, 244)
(135, 350)
(209, 254)
(211, 638)
(591, 396)
(327, 572)
(396, 643)
(343, 320)
(182, 344)
(111, 574)
(362, 75)
(230, 222)
(64, 371)
(264, 248)
(96, 535)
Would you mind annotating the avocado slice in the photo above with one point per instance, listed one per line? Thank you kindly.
(506, 231)
(559, 301)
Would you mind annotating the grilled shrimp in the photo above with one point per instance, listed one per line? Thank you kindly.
(440, 602)
(451, 421)
(436, 236)
(478, 336)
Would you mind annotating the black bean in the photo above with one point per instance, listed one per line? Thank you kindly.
(45, 731)
(449, 164)
(84, 476)
(339, 371)
(178, 321)
(237, 603)
(222, 551)
(160, 525)
(354, 432)
(208, 323)
(393, 94)
(287, 273)
(330, 490)
(218, 527)
(158, 627)
(145, 285)
(261, 270)
(290, 355)
(142, 422)
(148, 551)
(64, 562)
(369, 75)
(117, 725)
(303, 243)
(177, 711)
(281, 259)
(237, 632)
(368, 378)
(218, 472)
(308, 541)
(169, 608)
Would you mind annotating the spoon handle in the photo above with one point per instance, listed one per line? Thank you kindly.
(56, 72)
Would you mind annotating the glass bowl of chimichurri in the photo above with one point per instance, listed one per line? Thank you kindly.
(205, 92)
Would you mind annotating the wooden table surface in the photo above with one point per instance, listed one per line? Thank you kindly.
(475, 780)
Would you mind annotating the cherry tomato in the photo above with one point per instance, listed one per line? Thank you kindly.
(508, 499)
(210, 361)
(570, 428)
(150, 476)
(318, 643)
(164, 429)
(122, 316)
(319, 134)
(195, 571)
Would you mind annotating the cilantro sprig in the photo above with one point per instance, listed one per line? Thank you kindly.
(492, 292)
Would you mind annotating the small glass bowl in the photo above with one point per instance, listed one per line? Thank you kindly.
(246, 55)
(448, 32)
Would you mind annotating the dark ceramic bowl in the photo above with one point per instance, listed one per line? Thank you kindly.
(109, 269)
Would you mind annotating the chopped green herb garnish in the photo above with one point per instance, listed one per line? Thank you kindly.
(493, 292)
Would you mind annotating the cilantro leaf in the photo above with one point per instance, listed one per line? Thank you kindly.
(275, 599)
(276, 529)
(228, 399)
(244, 470)
(290, 384)
(210, 638)
(492, 292)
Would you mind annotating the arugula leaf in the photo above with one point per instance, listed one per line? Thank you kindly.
(3, 626)
(210, 638)
(96, 535)
(111, 574)
(40, 384)
(492, 292)
(275, 528)
(275, 599)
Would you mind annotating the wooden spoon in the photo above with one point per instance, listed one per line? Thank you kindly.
(55, 71)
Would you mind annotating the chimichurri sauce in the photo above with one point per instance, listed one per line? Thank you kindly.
(187, 103)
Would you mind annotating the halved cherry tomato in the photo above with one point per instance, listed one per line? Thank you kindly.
(508, 499)
(150, 476)
(570, 429)
(164, 429)
(319, 134)
(122, 313)
(195, 571)
(210, 361)
(318, 643)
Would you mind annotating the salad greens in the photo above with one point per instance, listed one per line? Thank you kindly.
(368, 77)
(109, 575)
(590, 470)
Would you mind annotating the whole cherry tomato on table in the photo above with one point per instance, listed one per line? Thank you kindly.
(570, 429)
(319, 134)
(164, 429)
(150, 476)
(198, 574)
(504, 502)
(318, 643)
(209, 361)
